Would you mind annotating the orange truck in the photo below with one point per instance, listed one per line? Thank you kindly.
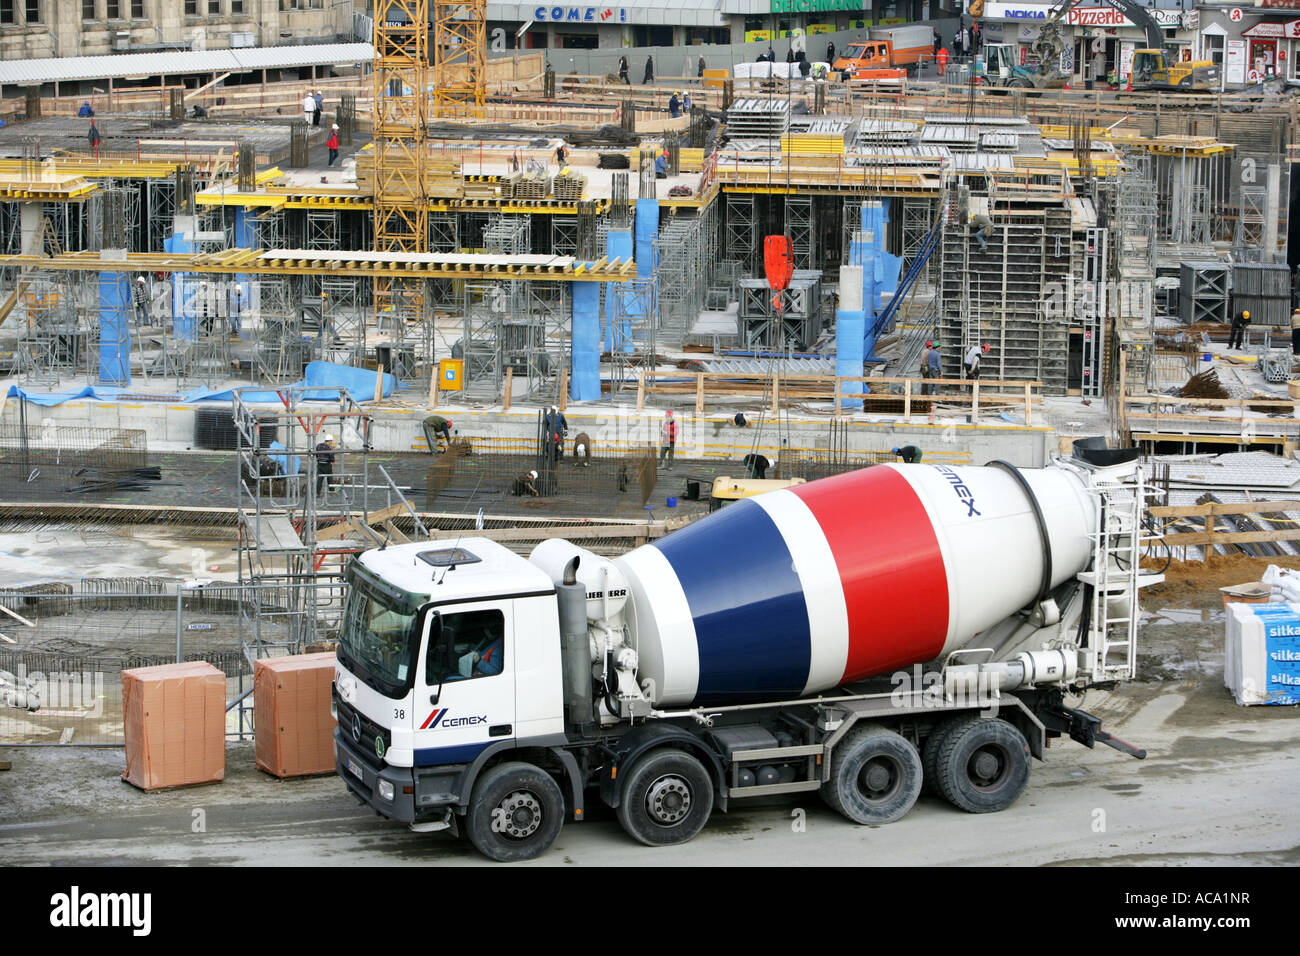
(886, 48)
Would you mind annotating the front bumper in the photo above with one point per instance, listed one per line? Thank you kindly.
(365, 784)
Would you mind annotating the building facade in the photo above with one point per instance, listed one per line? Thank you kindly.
(32, 29)
(682, 23)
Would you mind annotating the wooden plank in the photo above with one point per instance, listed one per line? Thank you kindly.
(276, 533)
(1219, 508)
(1235, 537)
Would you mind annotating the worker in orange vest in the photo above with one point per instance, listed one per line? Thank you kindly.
(943, 58)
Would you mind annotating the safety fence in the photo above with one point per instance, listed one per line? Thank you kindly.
(62, 652)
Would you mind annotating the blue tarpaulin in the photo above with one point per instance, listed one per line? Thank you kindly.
(320, 380)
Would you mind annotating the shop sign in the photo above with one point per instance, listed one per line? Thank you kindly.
(580, 15)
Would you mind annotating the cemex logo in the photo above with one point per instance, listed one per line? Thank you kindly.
(439, 718)
(960, 488)
(75, 909)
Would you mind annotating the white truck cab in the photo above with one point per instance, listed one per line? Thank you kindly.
(448, 651)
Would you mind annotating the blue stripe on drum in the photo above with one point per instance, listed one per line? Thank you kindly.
(828, 616)
(751, 620)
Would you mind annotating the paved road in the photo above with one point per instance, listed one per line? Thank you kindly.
(1219, 787)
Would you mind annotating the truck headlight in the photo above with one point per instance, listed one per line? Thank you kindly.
(385, 790)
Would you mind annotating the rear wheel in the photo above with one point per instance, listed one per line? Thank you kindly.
(982, 765)
(875, 777)
(667, 798)
(515, 813)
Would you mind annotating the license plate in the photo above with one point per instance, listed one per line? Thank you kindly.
(354, 768)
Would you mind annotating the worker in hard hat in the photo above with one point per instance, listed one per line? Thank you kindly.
(925, 363)
(436, 427)
(326, 451)
(525, 485)
(1238, 332)
(971, 363)
(1295, 332)
(661, 165)
(582, 448)
(910, 454)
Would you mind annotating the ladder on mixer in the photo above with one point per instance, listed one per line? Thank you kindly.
(1117, 552)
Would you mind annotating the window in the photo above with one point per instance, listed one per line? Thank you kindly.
(137, 9)
(214, 8)
(236, 6)
(87, 9)
(470, 644)
(113, 9)
(6, 11)
(33, 11)
(191, 8)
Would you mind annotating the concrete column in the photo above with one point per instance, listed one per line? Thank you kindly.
(114, 329)
(849, 321)
(30, 223)
(618, 245)
(584, 378)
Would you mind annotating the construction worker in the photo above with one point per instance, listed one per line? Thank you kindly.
(910, 454)
(325, 453)
(942, 57)
(1238, 330)
(925, 363)
(488, 657)
(1295, 332)
(972, 361)
(93, 136)
(757, 465)
(318, 103)
(436, 427)
(667, 439)
(308, 107)
(982, 224)
(561, 155)
(332, 144)
(85, 110)
(674, 106)
(523, 485)
(935, 363)
(582, 448)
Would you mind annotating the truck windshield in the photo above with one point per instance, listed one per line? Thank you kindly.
(378, 641)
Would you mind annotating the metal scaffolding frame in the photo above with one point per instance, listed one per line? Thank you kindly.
(444, 232)
(564, 235)
(632, 310)
(280, 349)
(1248, 240)
(799, 225)
(742, 230)
(343, 327)
(50, 336)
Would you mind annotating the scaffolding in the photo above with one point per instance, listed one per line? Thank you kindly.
(564, 235)
(343, 323)
(742, 230)
(50, 337)
(286, 475)
(632, 310)
(685, 253)
(799, 227)
(459, 67)
(281, 353)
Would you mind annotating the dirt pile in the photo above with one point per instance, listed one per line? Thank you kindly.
(1197, 583)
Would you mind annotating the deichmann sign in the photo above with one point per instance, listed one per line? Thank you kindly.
(817, 6)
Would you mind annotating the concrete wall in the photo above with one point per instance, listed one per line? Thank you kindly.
(62, 32)
(711, 435)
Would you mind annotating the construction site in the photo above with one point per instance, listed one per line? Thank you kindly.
(476, 299)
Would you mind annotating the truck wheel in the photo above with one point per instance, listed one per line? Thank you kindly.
(667, 799)
(875, 777)
(982, 765)
(515, 812)
(930, 754)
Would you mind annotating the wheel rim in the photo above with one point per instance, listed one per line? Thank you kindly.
(880, 778)
(519, 815)
(668, 800)
(988, 768)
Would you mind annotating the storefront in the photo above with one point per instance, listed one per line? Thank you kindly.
(634, 23)
(1252, 44)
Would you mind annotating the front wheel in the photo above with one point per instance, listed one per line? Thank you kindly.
(667, 798)
(515, 813)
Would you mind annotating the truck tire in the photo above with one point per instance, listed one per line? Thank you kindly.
(930, 754)
(982, 765)
(875, 777)
(667, 798)
(515, 812)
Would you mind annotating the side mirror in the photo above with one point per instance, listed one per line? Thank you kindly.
(437, 692)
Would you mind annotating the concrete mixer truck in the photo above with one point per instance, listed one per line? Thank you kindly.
(858, 636)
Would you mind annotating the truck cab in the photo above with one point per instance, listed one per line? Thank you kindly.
(448, 652)
(869, 55)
